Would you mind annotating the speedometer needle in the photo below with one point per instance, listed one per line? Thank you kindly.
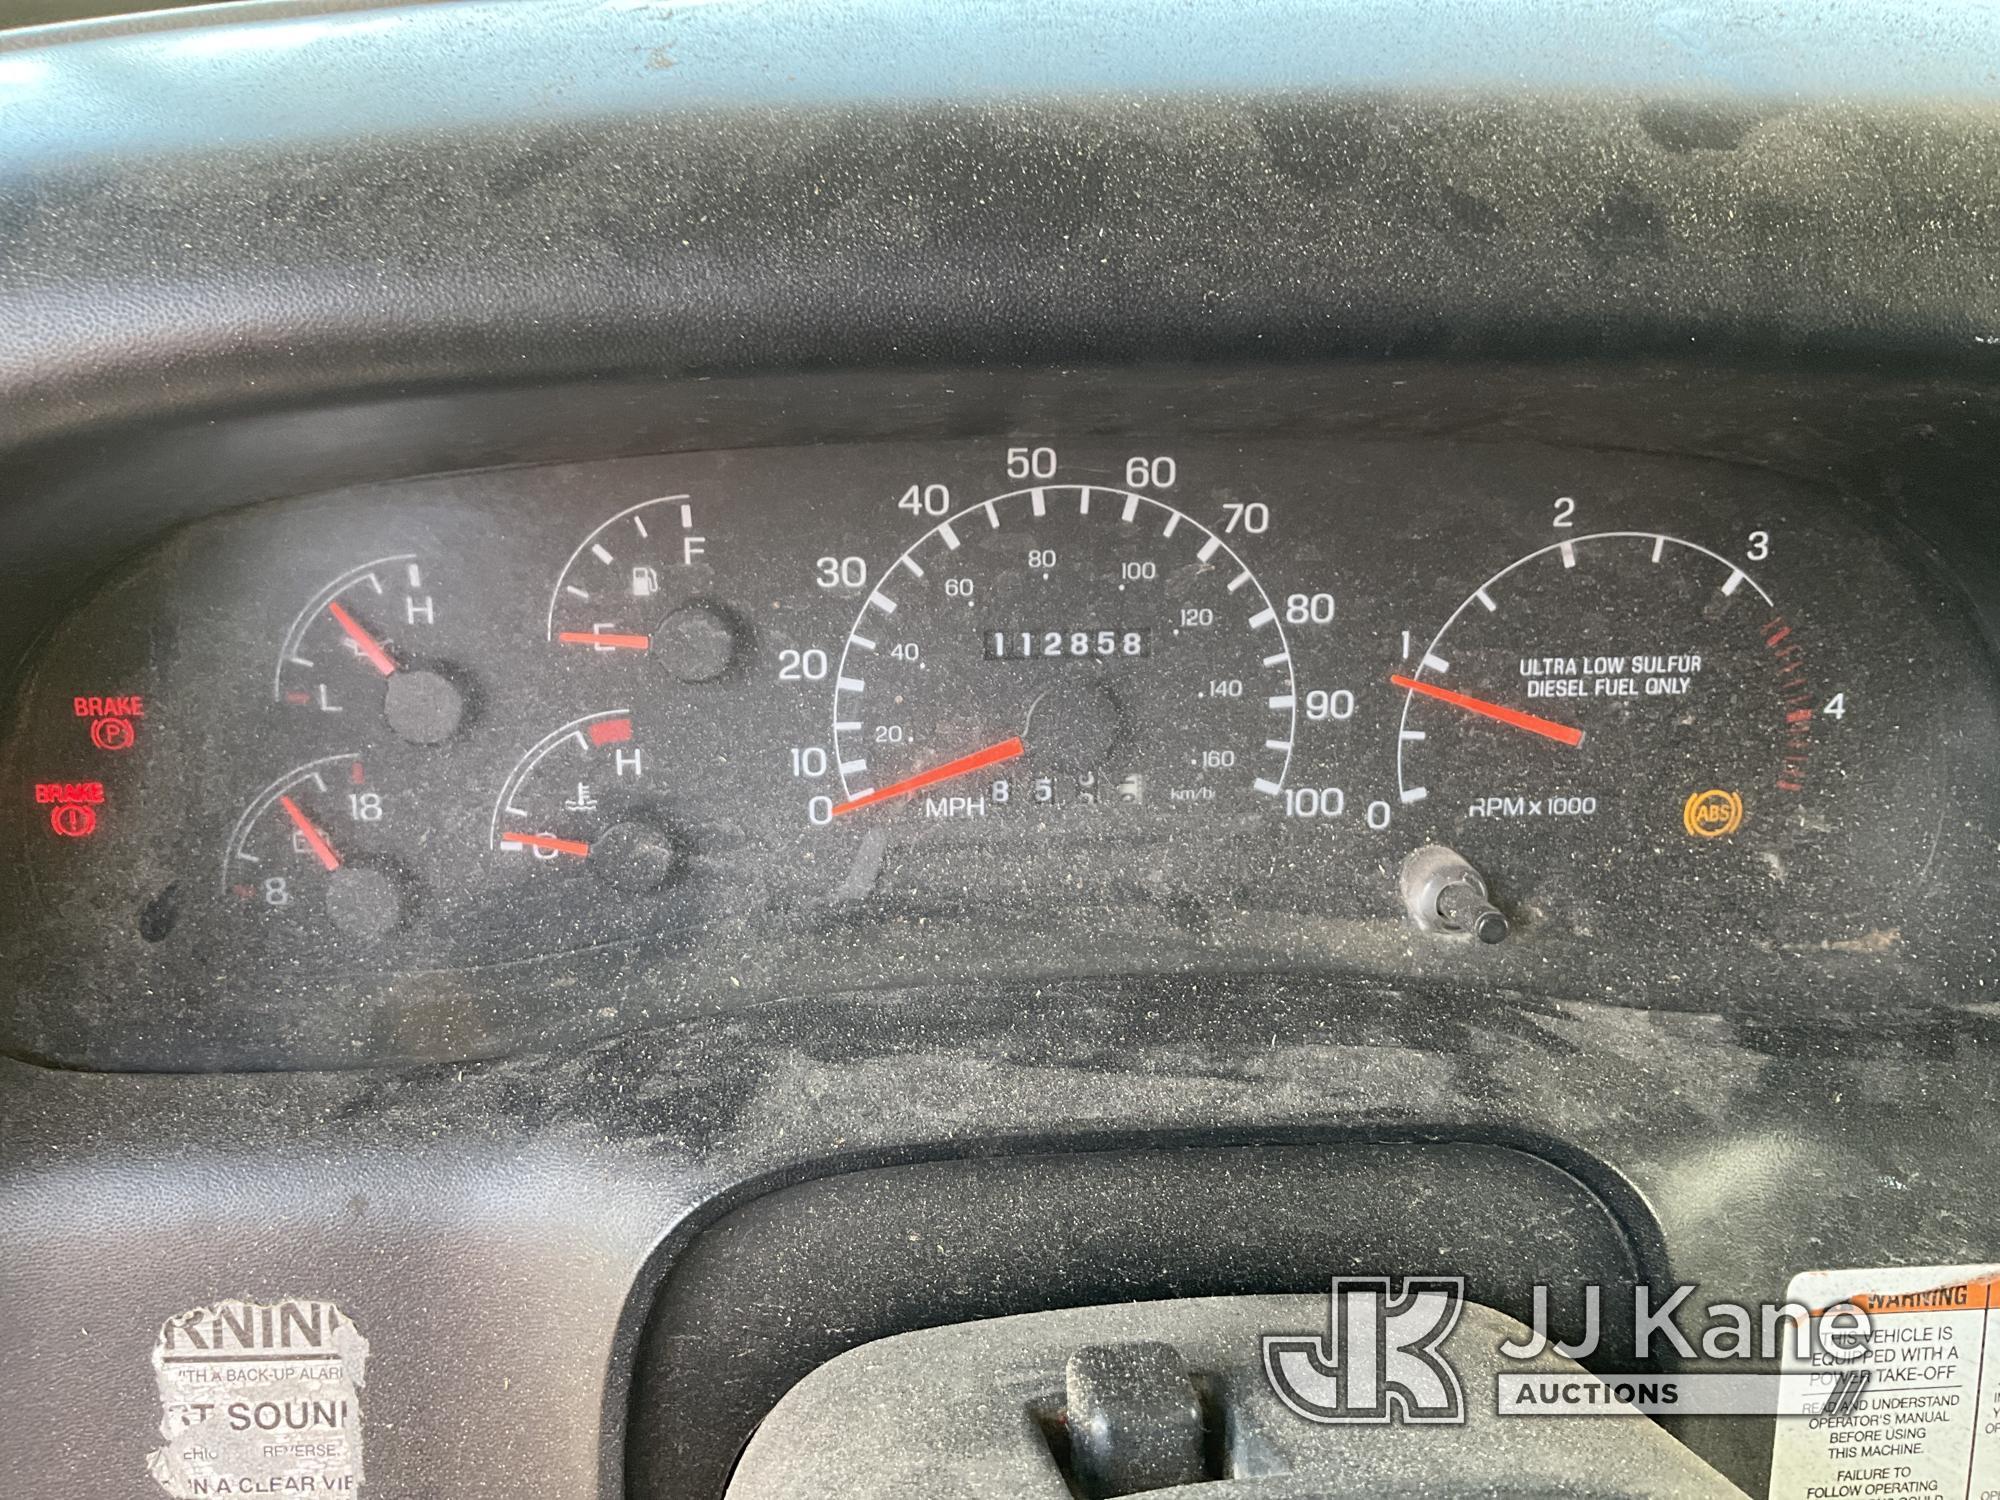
(978, 760)
(1563, 734)
(315, 840)
(368, 646)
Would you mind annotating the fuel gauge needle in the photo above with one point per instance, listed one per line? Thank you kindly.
(315, 840)
(368, 646)
(1562, 734)
(605, 640)
(965, 765)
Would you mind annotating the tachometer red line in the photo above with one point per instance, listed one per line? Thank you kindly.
(1563, 734)
(369, 647)
(978, 760)
(607, 640)
(548, 841)
(315, 840)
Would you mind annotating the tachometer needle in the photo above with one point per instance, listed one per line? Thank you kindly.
(363, 641)
(978, 760)
(548, 841)
(605, 640)
(1562, 734)
(315, 840)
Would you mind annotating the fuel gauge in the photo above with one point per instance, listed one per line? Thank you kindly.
(631, 590)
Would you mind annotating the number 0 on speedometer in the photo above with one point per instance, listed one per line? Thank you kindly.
(1064, 646)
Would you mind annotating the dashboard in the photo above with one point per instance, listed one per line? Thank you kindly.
(685, 687)
(357, 775)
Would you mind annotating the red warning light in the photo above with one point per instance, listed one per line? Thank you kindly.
(73, 820)
(96, 706)
(70, 793)
(72, 806)
(111, 717)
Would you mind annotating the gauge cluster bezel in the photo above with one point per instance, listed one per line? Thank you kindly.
(735, 933)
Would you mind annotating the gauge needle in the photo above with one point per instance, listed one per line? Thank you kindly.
(315, 840)
(978, 760)
(548, 841)
(1548, 728)
(604, 639)
(364, 642)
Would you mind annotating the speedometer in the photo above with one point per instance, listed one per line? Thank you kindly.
(1064, 647)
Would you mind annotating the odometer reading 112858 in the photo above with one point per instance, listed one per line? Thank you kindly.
(1066, 645)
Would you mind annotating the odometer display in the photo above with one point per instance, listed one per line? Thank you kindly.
(1063, 643)
(1064, 646)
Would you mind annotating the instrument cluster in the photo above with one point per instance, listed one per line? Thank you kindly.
(423, 769)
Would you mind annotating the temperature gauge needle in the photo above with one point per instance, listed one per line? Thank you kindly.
(978, 760)
(315, 840)
(1562, 734)
(548, 841)
(363, 641)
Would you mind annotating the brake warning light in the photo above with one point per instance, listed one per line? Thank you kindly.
(112, 725)
(72, 806)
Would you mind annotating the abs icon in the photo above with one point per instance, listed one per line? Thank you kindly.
(1379, 1359)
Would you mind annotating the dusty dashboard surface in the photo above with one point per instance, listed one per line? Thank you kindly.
(834, 627)
(430, 769)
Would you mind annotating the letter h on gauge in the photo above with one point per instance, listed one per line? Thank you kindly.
(1379, 1359)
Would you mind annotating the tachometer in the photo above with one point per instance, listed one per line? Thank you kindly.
(1064, 646)
(1616, 701)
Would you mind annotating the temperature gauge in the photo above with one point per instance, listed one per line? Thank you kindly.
(360, 644)
(582, 798)
(311, 848)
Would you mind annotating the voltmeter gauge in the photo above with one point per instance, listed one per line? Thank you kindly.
(361, 646)
(634, 590)
(583, 798)
(315, 848)
(1613, 705)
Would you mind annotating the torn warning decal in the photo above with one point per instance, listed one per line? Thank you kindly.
(259, 1398)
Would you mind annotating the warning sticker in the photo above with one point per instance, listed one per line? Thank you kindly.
(259, 1398)
(1917, 1412)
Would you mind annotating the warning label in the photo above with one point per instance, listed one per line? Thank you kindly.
(259, 1398)
(1917, 1412)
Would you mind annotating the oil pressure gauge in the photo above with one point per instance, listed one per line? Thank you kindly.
(361, 648)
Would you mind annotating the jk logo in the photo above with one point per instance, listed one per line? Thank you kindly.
(1378, 1360)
